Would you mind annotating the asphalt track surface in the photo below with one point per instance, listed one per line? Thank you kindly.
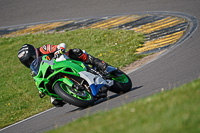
(179, 65)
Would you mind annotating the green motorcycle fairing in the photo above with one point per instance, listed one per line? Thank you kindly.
(42, 68)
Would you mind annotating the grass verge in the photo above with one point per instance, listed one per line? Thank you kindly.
(18, 95)
(175, 111)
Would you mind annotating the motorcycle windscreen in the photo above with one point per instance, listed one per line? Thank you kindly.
(35, 65)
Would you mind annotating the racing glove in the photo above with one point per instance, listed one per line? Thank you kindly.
(60, 50)
(58, 53)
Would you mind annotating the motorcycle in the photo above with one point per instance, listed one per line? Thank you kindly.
(76, 83)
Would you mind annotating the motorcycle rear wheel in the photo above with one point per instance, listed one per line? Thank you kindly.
(71, 97)
(122, 84)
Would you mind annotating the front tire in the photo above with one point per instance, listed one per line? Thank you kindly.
(122, 84)
(63, 90)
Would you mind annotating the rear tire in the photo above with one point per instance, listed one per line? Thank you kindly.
(121, 87)
(71, 99)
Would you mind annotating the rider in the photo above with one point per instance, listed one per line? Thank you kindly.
(28, 53)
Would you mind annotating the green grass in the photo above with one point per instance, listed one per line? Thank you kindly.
(174, 111)
(18, 94)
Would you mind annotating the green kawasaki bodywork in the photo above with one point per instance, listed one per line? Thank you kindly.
(48, 76)
(43, 78)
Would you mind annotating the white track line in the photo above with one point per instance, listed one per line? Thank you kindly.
(26, 119)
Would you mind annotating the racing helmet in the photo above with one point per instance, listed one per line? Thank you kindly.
(27, 54)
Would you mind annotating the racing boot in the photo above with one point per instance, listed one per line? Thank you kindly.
(101, 65)
(102, 93)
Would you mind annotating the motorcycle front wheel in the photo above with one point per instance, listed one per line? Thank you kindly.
(80, 99)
